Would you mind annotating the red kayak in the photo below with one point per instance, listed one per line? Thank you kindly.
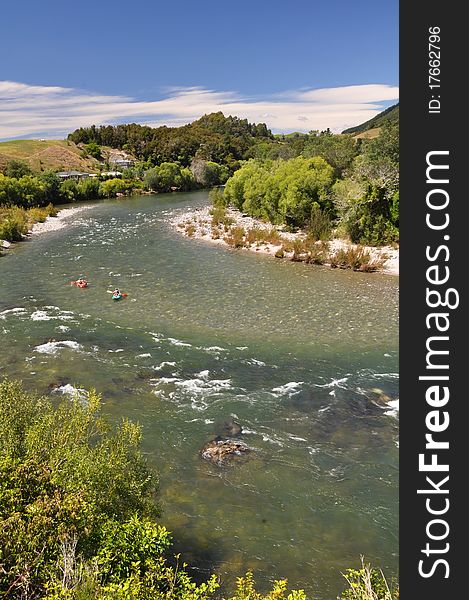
(81, 283)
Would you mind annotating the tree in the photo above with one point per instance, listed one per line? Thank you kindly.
(17, 169)
(338, 150)
(282, 191)
(168, 176)
(93, 149)
(208, 174)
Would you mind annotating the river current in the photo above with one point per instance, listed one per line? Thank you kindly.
(304, 358)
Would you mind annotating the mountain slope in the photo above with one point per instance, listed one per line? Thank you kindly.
(390, 115)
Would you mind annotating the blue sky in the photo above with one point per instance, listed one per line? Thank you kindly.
(259, 53)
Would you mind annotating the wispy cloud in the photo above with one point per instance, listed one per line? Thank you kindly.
(52, 111)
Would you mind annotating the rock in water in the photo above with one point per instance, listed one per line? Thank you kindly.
(222, 452)
(231, 428)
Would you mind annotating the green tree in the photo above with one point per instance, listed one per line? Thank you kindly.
(337, 150)
(208, 174)
(17, 169)
(282, 191)
(168, 176)
(93, 149)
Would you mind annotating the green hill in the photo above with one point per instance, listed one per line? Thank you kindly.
(390, 115)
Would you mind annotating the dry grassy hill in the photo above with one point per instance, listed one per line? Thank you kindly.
(58, 155)
(369, 134)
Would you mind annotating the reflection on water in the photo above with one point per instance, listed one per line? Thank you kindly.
(304, 358)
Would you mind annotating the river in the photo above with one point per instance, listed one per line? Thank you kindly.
(294, 353)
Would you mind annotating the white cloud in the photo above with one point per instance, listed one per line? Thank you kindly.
(52, 111)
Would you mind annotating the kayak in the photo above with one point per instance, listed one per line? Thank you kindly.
(80, 283)
(116, 297)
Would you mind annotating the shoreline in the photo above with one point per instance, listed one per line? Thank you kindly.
(196, 223)
(58, 222)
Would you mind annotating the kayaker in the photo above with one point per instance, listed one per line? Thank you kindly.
(116, 292)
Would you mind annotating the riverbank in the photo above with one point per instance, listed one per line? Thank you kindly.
(60, 221)
(232, 228)
(19, 224)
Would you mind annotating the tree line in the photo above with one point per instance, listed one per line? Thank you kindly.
(320, 176)
(214, 138)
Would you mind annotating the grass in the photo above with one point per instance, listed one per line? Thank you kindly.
(235, 237)
(258, 235)
(190, 229)
(42, 155)
(219, 217)
(356, 258)
(15, 222)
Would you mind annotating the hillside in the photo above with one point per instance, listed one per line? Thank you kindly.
(390, 115)
(213, 137)
(42, 155)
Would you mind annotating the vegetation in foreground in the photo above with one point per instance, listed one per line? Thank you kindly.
(79, 519)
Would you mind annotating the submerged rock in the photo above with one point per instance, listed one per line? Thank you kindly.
(58, 382)
(231, 428)
(222, 452)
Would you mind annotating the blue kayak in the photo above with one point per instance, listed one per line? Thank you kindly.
(118, 297)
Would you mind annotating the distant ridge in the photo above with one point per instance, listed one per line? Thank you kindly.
(390, 115)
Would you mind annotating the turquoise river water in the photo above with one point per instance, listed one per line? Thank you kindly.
(292, 352)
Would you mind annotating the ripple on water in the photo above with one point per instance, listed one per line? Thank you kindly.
(303, 358)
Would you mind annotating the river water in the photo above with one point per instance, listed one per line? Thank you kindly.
(296, 354)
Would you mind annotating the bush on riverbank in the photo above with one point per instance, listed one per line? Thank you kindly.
(357, 259)
(15, 222)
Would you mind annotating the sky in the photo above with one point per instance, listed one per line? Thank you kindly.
(297, 65)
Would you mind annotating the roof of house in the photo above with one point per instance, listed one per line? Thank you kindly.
(70, 173)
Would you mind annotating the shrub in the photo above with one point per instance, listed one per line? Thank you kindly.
(69, 190)
(17, 169)
(13, 224)
(246, 590)
(368, 584)
(317, 253)
(253, 235)
(235, 237)
(208, 174)
(356, 258)
(168, 176)
(217, 198)
(219, 216)
(88, 189)
(320, 225)
(190, 229)
(93, 149)
(37, 215)
(298, 250)
(63, 474)
(111, 187)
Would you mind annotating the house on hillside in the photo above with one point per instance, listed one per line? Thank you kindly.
(122, 163)
(76, 175)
